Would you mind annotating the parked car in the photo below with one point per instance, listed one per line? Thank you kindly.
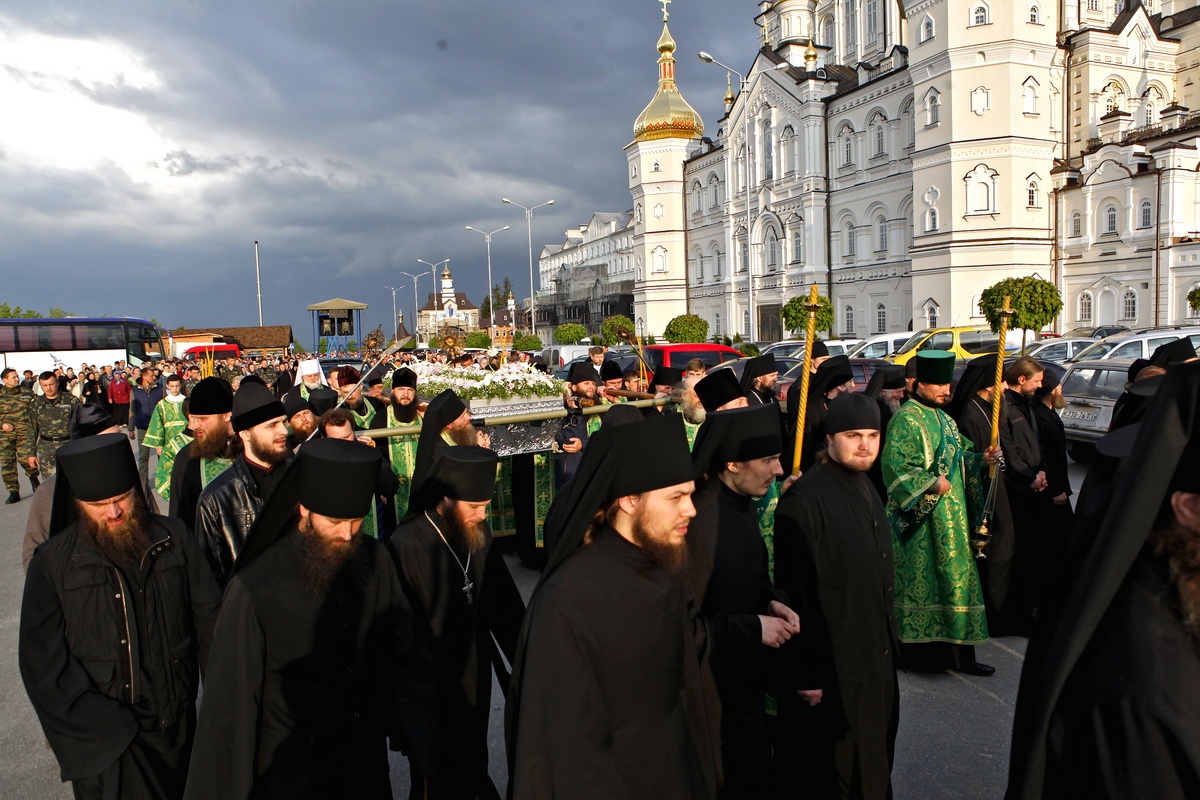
(794, 348)
(784, 363)
(1091, 388)
(965, 342)
(880, 345)
(1058, 350)
(1096, 332)
(1136, 344)
(625, 359)
(678, 355)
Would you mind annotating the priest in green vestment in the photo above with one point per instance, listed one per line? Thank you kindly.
(403, 412)
(935, 500)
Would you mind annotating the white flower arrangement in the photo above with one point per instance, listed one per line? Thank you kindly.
(505, 383)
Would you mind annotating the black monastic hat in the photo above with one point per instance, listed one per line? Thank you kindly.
(88, 419)
(322, 400)
(441, 411)
(581, 372)
(717, 388)
(737, 434)
(1174, 352)
(833, 372)
(294, 403)
(253, 405)
(611, 371)
(980, 373)
(91, 469)
(851, 412)
(819, 349)
(463, 472)
(211, 396)
(756, 367)
(404, 378)
(668, 376)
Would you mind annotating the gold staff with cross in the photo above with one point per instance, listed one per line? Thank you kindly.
(801, 397)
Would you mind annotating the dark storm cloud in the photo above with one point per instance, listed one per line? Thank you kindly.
(350, 139)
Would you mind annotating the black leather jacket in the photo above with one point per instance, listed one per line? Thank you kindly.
(227, 508)
(93, 670)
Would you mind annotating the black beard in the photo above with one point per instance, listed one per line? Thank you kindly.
(668, 556)
(209, 446)
(767, 392)
(124, 545)
(405, 412)
(268, 458)
(328, 566)
(464, 435)
(473, 538)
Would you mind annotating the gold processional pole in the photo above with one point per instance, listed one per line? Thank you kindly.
(982, 534)
(802, 396)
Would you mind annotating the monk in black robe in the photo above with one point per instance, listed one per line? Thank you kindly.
(609, 697)
(467, 606)
(833, 557)
(1109, 702)
(316, 660)
(210, 406)
(737, 451)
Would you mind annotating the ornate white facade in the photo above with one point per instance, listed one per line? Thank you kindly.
(906, 157)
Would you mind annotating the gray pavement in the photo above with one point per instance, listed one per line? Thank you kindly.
(953, 740)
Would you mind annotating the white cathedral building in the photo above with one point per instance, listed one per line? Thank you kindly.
(904, 157)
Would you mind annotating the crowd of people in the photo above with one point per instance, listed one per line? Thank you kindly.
(727, 594)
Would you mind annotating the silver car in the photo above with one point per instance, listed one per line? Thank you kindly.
(1091, 389)
(1136, 344)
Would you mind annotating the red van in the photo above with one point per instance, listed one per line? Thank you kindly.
(217, 351)
(678, 355)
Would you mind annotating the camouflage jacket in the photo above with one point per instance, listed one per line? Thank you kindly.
(14, 409)
(51, 418)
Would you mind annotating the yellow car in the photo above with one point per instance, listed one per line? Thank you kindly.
(965, 342)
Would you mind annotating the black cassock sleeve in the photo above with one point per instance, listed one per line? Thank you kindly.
(563, 743)
(225, 754)
(805, 661)
(87, 729)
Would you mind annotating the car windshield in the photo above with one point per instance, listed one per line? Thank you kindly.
(915, 340)
(1096, 383)
(1097, 350)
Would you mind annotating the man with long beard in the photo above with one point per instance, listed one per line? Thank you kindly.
(117, 617)
(401, 451)
(309, 377)
(315, 659)
(1111, 686)
(228, 506)
(447, 421)
(464, 595)
(609, 697)
(301, 420)
(736, 462)
(690, 408)
(833, 556)
(210, 451)
(758, 381)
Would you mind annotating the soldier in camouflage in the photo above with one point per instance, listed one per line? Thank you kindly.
(15, 440)
(49, 417)
(268, 373)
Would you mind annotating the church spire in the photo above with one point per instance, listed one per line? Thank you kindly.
(668, 116)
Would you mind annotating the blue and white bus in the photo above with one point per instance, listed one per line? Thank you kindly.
(43, 344)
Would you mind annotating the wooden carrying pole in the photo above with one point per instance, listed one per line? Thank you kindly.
(802, 396)
(1006, 313)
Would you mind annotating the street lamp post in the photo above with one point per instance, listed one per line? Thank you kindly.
(394, 316)
(416, 306)
(487, 237)
(529, 227)
(743, 87)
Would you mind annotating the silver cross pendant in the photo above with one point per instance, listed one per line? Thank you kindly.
(468, 586)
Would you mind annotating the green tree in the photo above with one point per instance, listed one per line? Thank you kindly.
(685, 329)
(616, 325)
(1035, 301)
(569, 333)
(16, 312)
(749, 349)
(795, 314)
(498, 298)
(1193, 298)
(478, 339)
(525, 341)
(55, 312)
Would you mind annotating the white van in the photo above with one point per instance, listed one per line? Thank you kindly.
(880, 345)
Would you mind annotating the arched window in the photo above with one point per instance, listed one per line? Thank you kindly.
(1031, 195)
(714, 189)
(746, 323)
(979, 15)
(880, 318)
(719, 259)
(909, 123)
(851, 243)
(848, 320)
(872, 22)
(850, 25)
(1035, 15)
(772, 250)
(1076, 224)
(931, 220)
(827, 34)
(1029, 96)
(981, 190)
(797, 247)
(697, 204)
(927, 28)
(1146, 214)
(1129, 305)
(716, 324)
(656, 167)
(1110, 219)
(879, 138)
(768, 154)
(1085, 307)
(933, 103)
(745, 265)
(881, 234)
(700, 267)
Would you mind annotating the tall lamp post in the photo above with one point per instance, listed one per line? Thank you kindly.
(743, 87)
(529, 226)
(416, 305)
(394, 315)
(487, 237)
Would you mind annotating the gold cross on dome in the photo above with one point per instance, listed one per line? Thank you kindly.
(665, 3)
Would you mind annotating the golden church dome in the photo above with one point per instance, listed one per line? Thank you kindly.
(668, 116)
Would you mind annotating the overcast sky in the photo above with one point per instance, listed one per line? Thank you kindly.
(144, 146)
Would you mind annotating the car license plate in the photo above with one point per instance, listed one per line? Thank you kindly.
(1082, 416)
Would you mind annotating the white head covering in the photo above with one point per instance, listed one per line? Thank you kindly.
(309, 366)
